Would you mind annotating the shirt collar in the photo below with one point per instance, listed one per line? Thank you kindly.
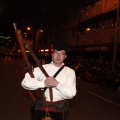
(54, 65)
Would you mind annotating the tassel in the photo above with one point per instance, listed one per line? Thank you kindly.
(47, 116)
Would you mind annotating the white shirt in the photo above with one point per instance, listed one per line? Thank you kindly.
(66, 88)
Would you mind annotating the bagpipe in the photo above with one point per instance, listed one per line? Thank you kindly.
(39, 93)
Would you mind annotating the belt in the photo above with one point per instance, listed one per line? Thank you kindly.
(51, 108)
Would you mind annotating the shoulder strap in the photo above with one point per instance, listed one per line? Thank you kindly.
(56, 74)
(54, 77)
(58, 71)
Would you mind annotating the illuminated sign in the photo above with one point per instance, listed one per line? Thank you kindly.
(43, 50)
(46, 50)
(3, 37)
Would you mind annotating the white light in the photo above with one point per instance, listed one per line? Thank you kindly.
(46, 50)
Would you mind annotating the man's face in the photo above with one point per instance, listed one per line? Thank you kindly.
(58, 56)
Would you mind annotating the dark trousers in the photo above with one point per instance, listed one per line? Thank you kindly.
(39, 114)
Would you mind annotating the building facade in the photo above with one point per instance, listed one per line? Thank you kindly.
(94, 28)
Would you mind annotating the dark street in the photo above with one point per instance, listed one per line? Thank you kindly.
(92, 101)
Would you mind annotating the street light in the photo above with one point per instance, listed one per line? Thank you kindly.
(28, 28)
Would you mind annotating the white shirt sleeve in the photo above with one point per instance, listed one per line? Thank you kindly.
(33, 83)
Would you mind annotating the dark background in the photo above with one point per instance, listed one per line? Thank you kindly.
(42, 13)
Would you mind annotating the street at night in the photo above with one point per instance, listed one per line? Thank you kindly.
(92, 101)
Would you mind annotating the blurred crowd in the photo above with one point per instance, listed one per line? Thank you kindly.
(10, 55)
(97, 71)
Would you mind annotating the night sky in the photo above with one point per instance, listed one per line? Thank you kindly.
(34, 12)
(20, 11)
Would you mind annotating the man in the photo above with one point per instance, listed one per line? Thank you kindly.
(63, 86)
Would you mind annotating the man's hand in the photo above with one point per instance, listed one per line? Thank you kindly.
(51, 82)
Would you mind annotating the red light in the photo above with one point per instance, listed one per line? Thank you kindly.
(51, 50)
(38, 50)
